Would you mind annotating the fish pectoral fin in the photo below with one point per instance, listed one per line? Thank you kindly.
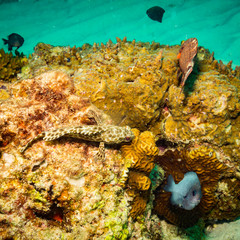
(100, 155)
(39, 136)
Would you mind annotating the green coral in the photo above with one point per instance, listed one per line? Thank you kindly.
(196, 232)
(156, 176)
(117, 223)
(10, 65)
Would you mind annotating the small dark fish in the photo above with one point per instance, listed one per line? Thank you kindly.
(156, 13)
(14, 40)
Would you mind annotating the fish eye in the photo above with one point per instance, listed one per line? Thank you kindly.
(68, 59)
(127, 138)
(194, 192)
(185, 197)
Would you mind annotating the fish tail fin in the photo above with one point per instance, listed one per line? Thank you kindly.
(170, 184)
(5, 41)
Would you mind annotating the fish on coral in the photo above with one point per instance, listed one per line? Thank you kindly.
(186, 58)
(156, 13)
(210, 170)
(109, 134)
(187, 193)
(14, 40)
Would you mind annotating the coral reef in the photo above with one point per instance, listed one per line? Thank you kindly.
(139, 162)
(212, 173)
(137, 85)
(63, 189)
(10, 66)
(47, 57)
(209, 113)
(127, 80)
(59, 189)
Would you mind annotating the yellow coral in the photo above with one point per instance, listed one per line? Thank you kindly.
(139, 181)
(4, 94)
(140, 154)
(139, 161)
(209, 108)
(10, 66)
(202, 160)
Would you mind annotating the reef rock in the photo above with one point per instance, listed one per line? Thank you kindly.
(68, 188)
(63, 188)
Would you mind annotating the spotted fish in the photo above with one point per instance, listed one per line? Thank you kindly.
(186, 58)
(108, 134)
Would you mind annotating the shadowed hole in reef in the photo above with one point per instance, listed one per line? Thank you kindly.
(55, 213)
(163, 145)
(6, 138)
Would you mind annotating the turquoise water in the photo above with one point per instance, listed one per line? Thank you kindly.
(71, 22)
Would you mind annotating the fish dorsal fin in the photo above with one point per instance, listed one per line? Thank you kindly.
(170, 184)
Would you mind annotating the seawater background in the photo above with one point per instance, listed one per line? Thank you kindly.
(216, 24)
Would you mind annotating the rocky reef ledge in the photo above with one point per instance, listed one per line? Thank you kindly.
(81, 185)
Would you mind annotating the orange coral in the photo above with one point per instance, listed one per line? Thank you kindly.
(210, 170)
(140, 154)
(139, 181)
(139, 202)
(139, 161)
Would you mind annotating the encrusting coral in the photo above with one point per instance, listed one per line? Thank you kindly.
(47, 57)
(210, 111)
(66, 184)
(126, 80)
(62, 183)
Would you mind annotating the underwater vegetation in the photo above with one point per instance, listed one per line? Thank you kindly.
(10, 65)
(76, 187)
